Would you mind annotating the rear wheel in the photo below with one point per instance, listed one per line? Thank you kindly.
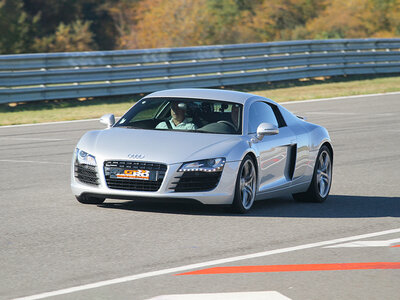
(245, 190)
(321, 180)
(89, 200)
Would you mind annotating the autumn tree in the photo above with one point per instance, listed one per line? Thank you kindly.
(67, 38)
(340, 19)
(125, 18)
(357, 19)
(382, 18)
(282, 19)
(158, 23)
(226, 20)
(53, 13)
(84, 25)
(17, 28)
(174, 23)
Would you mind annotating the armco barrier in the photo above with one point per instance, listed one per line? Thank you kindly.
(29, 77)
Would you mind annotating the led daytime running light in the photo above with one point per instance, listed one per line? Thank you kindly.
(207, 165)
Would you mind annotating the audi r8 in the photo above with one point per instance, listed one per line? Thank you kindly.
(212, 146)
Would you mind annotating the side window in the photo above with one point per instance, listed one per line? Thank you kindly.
(260, 112)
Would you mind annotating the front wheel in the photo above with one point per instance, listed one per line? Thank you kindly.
(245, 190)
(89, 200)
(321, 180)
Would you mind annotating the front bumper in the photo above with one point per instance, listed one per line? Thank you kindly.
(222, 194)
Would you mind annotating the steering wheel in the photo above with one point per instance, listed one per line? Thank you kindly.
(228, 123)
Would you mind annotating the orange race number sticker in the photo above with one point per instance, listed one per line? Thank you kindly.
(135, 174)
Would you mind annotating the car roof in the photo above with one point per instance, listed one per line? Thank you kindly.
(209, 94)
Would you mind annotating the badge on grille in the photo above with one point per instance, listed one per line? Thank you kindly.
(136, 156)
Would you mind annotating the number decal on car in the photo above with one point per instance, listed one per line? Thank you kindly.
(135, 174)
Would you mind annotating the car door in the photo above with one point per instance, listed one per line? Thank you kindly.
(277, 153)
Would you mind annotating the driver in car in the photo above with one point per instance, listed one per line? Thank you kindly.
(178, 120)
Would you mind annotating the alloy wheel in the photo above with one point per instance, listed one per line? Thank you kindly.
(247, 184)
(324, 174)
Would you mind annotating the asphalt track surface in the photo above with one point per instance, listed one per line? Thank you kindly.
(134, 250)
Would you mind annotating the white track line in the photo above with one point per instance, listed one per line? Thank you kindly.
(268, 295)
(366, 244)
(33, 162)
(29, 139)
(202, 265)
(340, 98)
(48, 123)
(287, 102)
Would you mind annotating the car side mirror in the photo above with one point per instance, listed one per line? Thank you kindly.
(266, 129)
(108, 120)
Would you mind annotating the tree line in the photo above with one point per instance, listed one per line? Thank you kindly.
(29, 26)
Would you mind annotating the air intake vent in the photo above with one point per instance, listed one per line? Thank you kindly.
(198, 181)
(86, 174)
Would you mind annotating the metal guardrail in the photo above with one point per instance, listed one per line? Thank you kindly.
(30, 77)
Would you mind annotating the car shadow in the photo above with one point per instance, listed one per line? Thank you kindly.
(336, 206)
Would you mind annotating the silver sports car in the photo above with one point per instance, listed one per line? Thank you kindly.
(212, 146)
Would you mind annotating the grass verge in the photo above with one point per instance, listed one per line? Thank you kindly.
(63, 110)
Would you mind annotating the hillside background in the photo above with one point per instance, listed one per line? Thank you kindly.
(30, 26)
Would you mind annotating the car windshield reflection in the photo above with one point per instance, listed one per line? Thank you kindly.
(182, 114)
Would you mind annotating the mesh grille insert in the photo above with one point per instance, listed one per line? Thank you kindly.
(198, 181)
(86, 174)
(157, 173)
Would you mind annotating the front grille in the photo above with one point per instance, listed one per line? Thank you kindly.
(198, 181)
(157, 173)
(86, 174)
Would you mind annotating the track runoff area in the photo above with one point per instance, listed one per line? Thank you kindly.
(348, 247)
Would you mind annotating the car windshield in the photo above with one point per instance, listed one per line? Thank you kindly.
(183, 114)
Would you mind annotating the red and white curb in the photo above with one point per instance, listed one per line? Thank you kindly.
(181, 269)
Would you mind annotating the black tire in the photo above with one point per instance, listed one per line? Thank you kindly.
(245, 188)
(89, 200)
(317, 192)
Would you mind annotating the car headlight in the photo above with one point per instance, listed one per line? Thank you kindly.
(85, 158)
(206, 165)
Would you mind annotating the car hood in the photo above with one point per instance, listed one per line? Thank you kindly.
(158, 145)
